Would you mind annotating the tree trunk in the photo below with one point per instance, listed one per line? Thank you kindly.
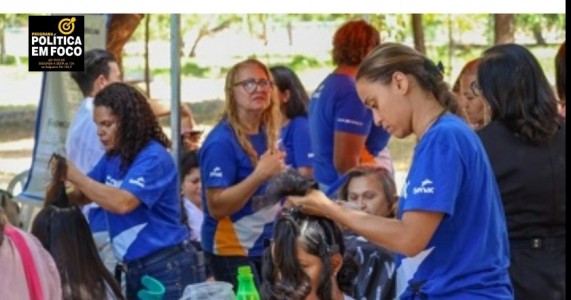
(418, 33)
(121, 27)
(205, 31)
(451, 44)
(147, 66)
(289, 33)
(2, 45)
(538, 35)
(504, 28)
(201, 34)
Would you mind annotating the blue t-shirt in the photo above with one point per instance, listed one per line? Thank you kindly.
(295, 139)
(377, 140)
(223, 163)
(334, 106)
(468, 255)
(155, 224)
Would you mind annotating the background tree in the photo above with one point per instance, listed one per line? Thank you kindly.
(6, 21)
(504, 28)
(208, 25)
(536, 24)
(418, 32)
(121, 27)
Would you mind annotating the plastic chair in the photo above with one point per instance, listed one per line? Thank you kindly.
(154, 289)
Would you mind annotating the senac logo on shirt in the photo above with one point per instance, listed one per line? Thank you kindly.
(424, 188)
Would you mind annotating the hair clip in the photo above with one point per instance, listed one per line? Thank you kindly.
(291, 211)
(332, 249)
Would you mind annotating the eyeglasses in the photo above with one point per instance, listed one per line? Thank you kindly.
(475, 88)
(250, 85)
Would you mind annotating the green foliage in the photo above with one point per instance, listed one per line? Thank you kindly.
(194, 70)
(188, 69)
(301, 62)
(159, 28)
(12, 60)
(536, 24)
(13, 20)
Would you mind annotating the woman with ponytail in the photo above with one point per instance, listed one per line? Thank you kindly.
(237, 158)
(450, 232)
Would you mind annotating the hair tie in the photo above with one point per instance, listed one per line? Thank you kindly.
(440, 67)
(431, 67)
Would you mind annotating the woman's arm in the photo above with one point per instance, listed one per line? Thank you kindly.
(110, 198)
(347, 150)
(223, 202)
(408, 236)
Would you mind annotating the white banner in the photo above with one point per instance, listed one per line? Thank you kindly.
(59, 99)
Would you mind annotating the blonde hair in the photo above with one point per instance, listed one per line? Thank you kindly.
(271, 117)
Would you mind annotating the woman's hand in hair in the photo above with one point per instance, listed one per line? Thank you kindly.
(271, 163)
(313, 203)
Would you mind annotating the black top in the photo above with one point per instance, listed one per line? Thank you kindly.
(377, 272)
(531, 180)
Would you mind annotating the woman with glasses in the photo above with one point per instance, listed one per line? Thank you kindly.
(237, 158)
(526, 145)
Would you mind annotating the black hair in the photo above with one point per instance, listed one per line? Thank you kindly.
(96, 62)
(286, 80)
(188, 162)
(137, 124)
(283, 277)
(513, 83)
(63, 231)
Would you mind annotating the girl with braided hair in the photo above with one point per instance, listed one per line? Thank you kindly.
(306, 259)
